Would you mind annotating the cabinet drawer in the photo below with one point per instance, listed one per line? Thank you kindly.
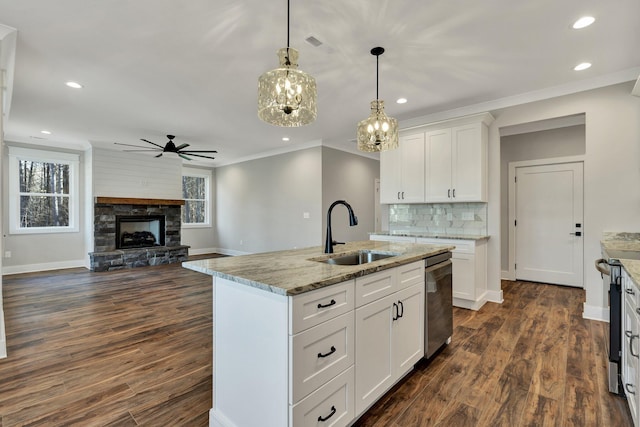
(375, 286)
(319, 354)
(410, 274)
(330, 405)
(312, 308)
(387, 238)
(462, 246)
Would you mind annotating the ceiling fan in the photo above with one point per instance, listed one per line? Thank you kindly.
(170, 147)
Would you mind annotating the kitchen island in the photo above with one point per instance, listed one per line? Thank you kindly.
(299, 341)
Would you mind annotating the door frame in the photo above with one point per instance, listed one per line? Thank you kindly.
(511, 271)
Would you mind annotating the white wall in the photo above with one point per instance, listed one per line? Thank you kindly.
(547, 144)
(611, 174)
(347, 176)
(260, 203)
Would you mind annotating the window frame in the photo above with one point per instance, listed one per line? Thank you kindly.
(196, 173)
(16, 154)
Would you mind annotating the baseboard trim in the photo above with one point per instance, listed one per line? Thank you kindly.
(30, 268)
(506, 275)
(231, 252)
(593, 312)
(3, 337)
(203, 251)
(495, 296)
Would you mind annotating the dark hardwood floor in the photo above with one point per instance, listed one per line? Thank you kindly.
(133, 347)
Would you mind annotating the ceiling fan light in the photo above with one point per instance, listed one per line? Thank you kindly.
(287, 96)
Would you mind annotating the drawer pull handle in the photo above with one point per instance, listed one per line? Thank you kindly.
(333, 302)
(395, 312)
(323, 419)
(638, 310)
(629, 291)
(401, 305)
(333, 350)
(628, 387)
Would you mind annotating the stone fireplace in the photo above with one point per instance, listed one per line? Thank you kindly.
(135, 233)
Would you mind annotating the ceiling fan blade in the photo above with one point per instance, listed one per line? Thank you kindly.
(184, 157)
(142, 150)
(199, 151)
(198, 155)
(181, 146)
(130, 145)
(146, 140)
(159, 155)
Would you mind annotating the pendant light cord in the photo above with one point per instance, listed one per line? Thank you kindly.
(377, 68)
(288, 7)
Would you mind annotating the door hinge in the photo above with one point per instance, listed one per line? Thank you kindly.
(515, 222)
(515, 179)
(515, 266)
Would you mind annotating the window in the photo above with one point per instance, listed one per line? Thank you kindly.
(195, 192)
(43, 191)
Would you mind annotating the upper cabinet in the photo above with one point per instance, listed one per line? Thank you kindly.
(456, 164)
(402, 171)
(438, 163)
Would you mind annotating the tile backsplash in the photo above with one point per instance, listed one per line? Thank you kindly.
(449, 218)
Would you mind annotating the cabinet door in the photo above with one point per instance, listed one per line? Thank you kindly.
(408, 329)
(412, 168)
(469, 159)
(390, 184)
(630, 348)
(375, 371)
(438, 166)
(463, 276)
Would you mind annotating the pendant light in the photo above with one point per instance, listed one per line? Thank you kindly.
(378, 132)
(287, 96)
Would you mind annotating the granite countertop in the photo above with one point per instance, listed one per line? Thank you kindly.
(620, 241)
(632, 267)
(293, 272)
(430, 235)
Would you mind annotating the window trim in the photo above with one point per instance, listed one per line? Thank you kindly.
(73, 160)
(197, 173)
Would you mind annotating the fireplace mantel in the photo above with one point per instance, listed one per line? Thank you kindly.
(135, 201)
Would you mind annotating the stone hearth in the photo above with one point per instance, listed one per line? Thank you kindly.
(106, 257)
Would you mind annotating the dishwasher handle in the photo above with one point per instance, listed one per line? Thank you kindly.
(603, 271)
(437, 266)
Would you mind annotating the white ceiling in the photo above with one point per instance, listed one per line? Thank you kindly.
(190, 68)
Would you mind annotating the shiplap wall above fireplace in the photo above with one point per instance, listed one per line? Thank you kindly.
(120, 174)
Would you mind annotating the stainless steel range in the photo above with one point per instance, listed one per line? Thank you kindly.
(611, 270)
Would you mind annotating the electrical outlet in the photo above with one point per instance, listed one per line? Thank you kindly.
(305, 215)
(7, 254)
(241, 242)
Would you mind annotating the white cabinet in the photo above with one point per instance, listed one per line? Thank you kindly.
(469, 259)
(456, 164)
(631, 345)
(402, 171)
(292, 360)
(389, 333)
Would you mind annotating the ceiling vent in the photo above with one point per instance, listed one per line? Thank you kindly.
(313, 41)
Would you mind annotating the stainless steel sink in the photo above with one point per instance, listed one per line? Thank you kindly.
(356, 258)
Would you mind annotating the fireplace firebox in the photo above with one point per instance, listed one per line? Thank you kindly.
(139, 231)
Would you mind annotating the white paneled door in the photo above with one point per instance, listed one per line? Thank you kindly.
(548, 224)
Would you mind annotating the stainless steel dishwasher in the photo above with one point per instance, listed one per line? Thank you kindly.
(438, 303)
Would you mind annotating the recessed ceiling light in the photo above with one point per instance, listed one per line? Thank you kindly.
(582, 66)
(285, 139)
(401, 101)
(74, 85)
(46, 132)
(585, 21)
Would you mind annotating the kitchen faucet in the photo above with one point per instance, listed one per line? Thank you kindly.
(353, 220)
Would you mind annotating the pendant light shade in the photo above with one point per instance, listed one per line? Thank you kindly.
(377, 132)
(287, 96)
